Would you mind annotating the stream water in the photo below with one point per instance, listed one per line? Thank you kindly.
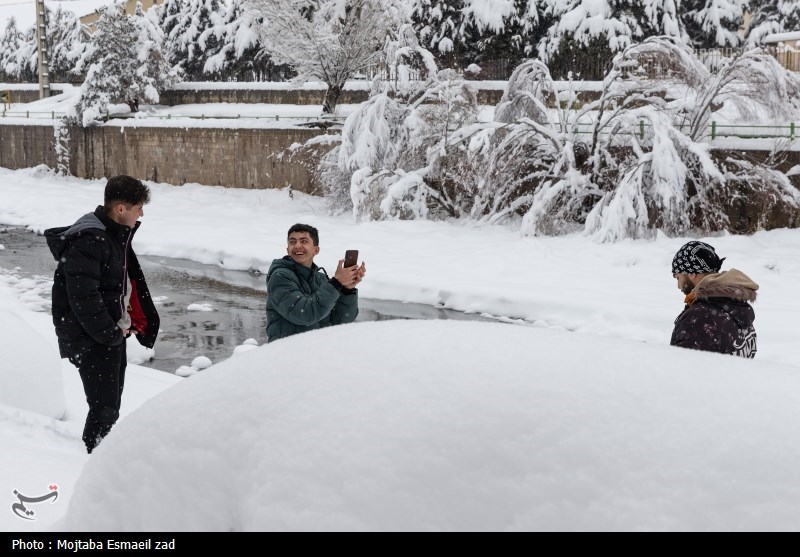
(236, 300)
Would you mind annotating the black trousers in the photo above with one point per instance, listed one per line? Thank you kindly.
(102, 370)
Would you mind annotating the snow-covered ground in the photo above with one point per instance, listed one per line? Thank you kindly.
(573, 415)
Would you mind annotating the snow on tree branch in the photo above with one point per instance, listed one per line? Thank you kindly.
(326, 40)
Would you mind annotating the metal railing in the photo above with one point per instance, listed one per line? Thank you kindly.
(30, 114)
(714, 130)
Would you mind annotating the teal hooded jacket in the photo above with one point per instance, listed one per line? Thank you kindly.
(300, 299)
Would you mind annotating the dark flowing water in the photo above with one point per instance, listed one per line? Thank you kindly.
(237, 300)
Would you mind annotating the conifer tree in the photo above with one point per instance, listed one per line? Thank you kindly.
(586, 34)
(189, 44)
(713, 23)
(152, 69)
(125, 66)
(790, 14)
(240, 55)
(66, 43)
(9, 45)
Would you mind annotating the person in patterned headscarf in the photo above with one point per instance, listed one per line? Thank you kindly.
(718, 316)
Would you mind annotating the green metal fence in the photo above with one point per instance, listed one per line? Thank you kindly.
(714, 130)
(30, 114)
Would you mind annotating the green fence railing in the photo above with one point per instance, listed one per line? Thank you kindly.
(713, 131)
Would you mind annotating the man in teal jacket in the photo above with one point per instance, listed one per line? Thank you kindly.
(300, 296)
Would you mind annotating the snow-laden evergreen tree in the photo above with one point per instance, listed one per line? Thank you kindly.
(790, 14)
(327, 40)
(26, 57)
(10, 43)
(662, 18)
(153, 72)
(772, 16)
(126, 65)
(442, 28)
(241, 56)
(111, 66)
(714, 23)
(507, 28)
(192, 36)
(166, 15)
(67, 42)
(585, 34)
(461, 32)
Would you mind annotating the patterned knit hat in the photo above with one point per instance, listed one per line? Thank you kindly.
(696, 258)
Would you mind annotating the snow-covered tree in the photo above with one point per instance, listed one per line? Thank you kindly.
(193, 35)
(326, 40)
(665, 176)
(166, 15)
(393, 160)
(772, 16)
(586, 33)
(66, 41)
(442, 28)
(9, 45)
(662, 18)
(507, 28)
(240, 55)
(461, 32)
(126, 65)
(790, 14)
(714, 23)
(634, 161)
(153, 72)
(27, 56)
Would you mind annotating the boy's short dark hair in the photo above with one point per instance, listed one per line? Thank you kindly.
(125, 189)
(313, 232)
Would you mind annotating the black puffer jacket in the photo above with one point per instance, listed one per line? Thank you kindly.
(89, 283)
(718, 317)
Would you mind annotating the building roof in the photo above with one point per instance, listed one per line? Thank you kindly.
(24, 11)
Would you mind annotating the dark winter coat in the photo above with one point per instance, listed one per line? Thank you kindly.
(89, 285)
(301, 299)
(718, 317)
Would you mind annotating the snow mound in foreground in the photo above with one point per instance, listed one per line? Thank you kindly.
(432, 425)
(31, 376)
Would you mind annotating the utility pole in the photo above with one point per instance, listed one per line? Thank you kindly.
(41, 35)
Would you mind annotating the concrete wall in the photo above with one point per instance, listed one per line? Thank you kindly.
(29, 95)
(26, 146)
(238, 158)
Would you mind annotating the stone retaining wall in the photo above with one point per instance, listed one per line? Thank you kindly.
(238, 158)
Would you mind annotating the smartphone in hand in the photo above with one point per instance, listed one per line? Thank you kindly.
(350, 258)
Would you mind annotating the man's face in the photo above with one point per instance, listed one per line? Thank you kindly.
(301, 248)
(127, 214)
(685, 283)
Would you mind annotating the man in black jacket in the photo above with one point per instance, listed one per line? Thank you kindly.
(100, 298)
(718, 316)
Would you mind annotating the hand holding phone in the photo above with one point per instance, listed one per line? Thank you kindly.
(350, 258)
